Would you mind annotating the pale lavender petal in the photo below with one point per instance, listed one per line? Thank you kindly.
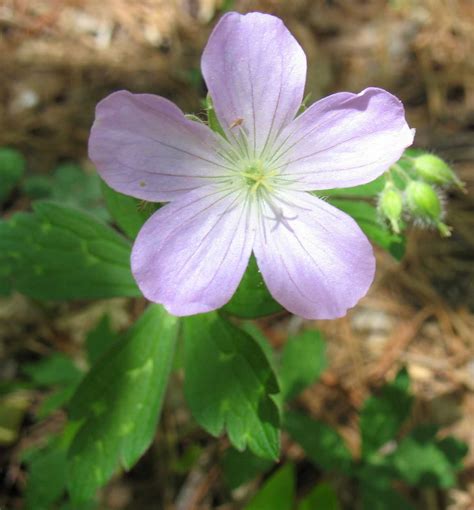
(191, 254)
(343, 140)
(314, 259)
(144, 146)
(255, 71)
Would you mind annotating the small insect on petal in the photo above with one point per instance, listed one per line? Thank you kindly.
(236, 123)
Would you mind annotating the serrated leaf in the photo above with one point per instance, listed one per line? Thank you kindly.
(322, 497)
(118, 404)
(252, 298)
(421, 459)
(229, 384)
(365, 215)
(129, 213)
(302, 361)
(99, 339)
(241, 467)
(321, 443)
(277, 493)
(59, 253)
(381, 417)
(12, 168)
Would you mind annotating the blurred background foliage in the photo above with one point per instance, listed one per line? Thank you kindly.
(58, 58)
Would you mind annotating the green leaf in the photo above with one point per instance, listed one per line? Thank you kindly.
(118, 404)
(56, 369)
(241, 467)
(376, 491)
(252, 299)
(46, 478)
(454, 450)
(302, 362)
(422, 460)
(381, 417)
(12, 168)
(60, 253)
(365, 215)
(382, 497)
(73, 186)
(259, 336)
(323, 445)
(322, 497)
(99, 339)
(56, 400)
(277, 493)
(368, 190)
(229, 384)
(129, 213)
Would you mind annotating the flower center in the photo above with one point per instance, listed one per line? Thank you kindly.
(257, 176)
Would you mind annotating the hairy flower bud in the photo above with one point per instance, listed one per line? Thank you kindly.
(391, 206)
(425, 205)
(434, 170)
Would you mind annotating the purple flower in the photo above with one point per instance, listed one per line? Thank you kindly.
(248, 191)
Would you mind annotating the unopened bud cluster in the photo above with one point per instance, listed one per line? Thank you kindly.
(415, 192)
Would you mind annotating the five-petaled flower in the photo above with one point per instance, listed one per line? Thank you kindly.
(248, 191)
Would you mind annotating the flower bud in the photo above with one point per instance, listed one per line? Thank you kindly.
(434, 170)
(425, 205)
(391, 206)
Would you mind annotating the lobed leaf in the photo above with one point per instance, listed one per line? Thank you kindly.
(422, 460)
(381, 417)
(322, 444)
(58, 253)
(229, 384)
(118, 404)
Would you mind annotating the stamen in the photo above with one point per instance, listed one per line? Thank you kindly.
(257, 176)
